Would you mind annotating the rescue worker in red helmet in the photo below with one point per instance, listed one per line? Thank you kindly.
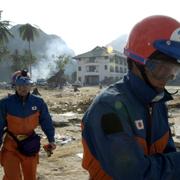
(125, 131)
(21, 113)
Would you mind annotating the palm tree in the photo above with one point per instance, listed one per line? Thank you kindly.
(16, 59)
(20, 61)
(4, 35)
(28, 33)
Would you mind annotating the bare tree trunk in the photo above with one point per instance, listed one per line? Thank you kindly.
(30, 53)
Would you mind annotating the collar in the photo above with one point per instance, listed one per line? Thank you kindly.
(20, 98)
(144, 92)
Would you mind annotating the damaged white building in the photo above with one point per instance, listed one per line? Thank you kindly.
(100, 65)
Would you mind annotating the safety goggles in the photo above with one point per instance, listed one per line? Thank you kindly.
(23, 81)
(162, 70)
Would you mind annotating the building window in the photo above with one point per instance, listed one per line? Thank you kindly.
(116, 59)
(111, 60)
(125, 70)
(79, 68)
(111, 68)
(120, 61)
(79, 79)
(105, 67)
(92, 59)
(121, 70)
(117, 69)
(92, 69)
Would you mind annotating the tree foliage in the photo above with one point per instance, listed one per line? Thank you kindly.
(4, 36)
(59, 78)
(21, 61)
(28, 33)
(61, 62)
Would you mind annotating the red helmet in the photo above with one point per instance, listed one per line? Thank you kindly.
(153, 33)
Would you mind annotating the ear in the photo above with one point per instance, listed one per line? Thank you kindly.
(135, 70)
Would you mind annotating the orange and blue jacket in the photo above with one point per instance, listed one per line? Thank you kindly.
(126, 134)
(22, 117)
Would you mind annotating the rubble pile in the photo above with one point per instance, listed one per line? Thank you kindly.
(174, 119)
(66, 119)
(67, 100)
(175, 103)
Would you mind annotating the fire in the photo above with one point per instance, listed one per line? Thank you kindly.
(109, 49)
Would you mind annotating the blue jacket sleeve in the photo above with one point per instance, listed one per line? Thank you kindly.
(46, 122)
(120, 155)
(2, 118)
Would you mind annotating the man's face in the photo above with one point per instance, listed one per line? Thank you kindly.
(23, 90)
(160, 72)
(158, 84)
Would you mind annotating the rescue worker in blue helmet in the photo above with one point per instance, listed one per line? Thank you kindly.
(125, 131)
(21, 113)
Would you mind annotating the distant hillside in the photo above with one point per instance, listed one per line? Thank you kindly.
(45, 47)
(119, 43)
(40, 44)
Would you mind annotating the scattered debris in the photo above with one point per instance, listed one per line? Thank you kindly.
(66, 119)
(62, 140)
(80, 155)
(76, 89)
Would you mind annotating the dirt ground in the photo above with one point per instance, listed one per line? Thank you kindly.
(65, 163)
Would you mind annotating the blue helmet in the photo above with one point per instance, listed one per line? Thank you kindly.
(21, 78)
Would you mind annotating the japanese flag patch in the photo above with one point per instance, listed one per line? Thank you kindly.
(139, 124)
(34, 108)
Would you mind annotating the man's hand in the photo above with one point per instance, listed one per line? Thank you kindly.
(49, 148)
(52, 145)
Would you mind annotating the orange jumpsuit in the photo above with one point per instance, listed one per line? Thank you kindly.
(22, 121)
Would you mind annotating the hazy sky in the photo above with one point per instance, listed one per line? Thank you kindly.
(84, 24)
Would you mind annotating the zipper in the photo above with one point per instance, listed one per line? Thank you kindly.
(149, 127)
